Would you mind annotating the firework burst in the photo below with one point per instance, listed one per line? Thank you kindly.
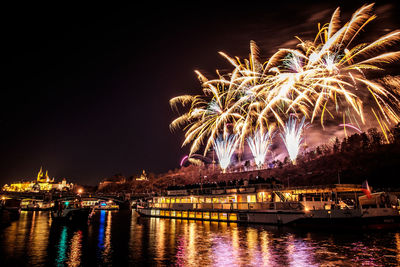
(326, 78)
(259, 145)
(225, 146)
(329, 75)
(292, 136)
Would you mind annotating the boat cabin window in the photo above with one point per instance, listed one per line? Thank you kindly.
(232, 199)
(251, 198)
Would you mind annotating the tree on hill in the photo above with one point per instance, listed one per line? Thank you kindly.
(336, 145)
(376, 137)
(396, 133)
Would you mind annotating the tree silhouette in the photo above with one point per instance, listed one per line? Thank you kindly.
(396, 133)
(336, 145)
(376, 137)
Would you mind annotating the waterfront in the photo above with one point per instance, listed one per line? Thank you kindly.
(122, 238)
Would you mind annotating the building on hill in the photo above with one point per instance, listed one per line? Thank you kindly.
(142, 177)
(42, 183)
(116, 180)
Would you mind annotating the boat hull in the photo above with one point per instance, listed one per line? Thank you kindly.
(277, 217)
(320, 219)
(80, 215)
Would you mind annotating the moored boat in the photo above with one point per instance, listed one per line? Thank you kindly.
(107, 205)
(70, 211)
(333, 205)
(35, 204)
(9, 211)
(11, 206)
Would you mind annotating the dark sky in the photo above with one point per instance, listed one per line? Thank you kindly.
(85, 89)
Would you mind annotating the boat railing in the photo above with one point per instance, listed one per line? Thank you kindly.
(226, 189)
(254, 187)
(287, 205)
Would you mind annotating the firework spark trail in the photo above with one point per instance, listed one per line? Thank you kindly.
(225, 146)
(183, 160)
(259, 145)
(292, 136)
(351, 126)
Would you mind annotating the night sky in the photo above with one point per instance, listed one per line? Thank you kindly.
(85, 89)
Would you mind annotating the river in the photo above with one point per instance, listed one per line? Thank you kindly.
(122, 238)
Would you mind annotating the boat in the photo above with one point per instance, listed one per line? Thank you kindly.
(89, 202)
(71, 211)
(35, 204)
(12, 206)
(9, 211)
(325, 205)
(133, 204)
(107, 205)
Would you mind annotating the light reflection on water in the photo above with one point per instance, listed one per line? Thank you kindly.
(75, 249)
(123, 238)
(62, 247)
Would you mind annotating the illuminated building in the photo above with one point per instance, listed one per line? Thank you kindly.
(142, 177)
(42, 183)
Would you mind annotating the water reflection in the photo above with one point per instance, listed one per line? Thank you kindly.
(136, 246)
(397, 237)
(159, 234)
(104, 239)
(264, 242)
(75, 249)
(124, 238)
(62, 247)
(100, 245)
(222, 244)
(25, 240)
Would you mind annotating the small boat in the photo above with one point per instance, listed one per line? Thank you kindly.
(109, 205)
(12, 206)
(70, 211)
(134, 204)
(89, 202)
(35, 204)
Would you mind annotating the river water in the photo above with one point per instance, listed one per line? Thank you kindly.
(122, 238)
